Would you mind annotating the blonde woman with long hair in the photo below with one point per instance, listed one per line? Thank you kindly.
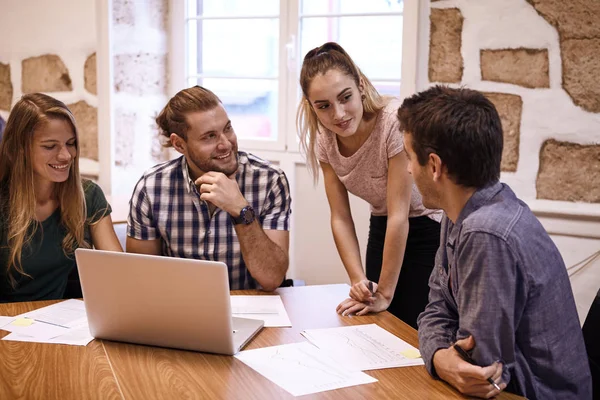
(46, 209)
(352, 133)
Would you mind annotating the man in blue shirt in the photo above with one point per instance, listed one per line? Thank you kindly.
(500, 289)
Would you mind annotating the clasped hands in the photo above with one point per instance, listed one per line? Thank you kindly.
(362, 300)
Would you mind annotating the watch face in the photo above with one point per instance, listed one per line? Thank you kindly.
(247, 215)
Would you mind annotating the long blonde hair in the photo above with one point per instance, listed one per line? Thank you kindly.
(317, 62)
(17, 196)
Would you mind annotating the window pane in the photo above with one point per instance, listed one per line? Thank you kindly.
(250, 103)
(378, 59)
(232, 7)
(221, 49)
(388, 88)
(351, 6)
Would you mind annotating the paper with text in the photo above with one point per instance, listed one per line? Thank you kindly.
(60, 323)
(364, 347)
(35, 329)
(69, 313)
(301, 368)
(267, 308)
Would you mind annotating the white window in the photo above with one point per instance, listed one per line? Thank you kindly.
(250, 52)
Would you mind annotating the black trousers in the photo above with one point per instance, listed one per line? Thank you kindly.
(412, 290)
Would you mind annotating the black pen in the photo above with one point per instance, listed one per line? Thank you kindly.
(371, 288)
(465, 356)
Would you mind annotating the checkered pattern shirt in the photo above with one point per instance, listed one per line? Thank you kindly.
(166, 205)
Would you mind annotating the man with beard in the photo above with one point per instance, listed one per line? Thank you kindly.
(499, 289)
(214, 202)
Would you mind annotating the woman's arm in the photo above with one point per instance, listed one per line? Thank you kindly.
(342, 225)
(104, 236)
(399, 190)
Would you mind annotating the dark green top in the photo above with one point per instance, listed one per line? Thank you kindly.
(43, 258)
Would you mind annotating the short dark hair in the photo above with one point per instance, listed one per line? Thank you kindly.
(461, 126)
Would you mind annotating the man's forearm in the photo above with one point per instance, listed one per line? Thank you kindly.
(266, 261)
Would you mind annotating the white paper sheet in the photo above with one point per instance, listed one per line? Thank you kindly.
(60, 323)
(364, 347)
(75, 337)
(6, 320)
(267, 308)
(68, 313)
(301, 368)
(38, 330)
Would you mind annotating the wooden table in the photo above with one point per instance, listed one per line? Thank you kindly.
(113, 370)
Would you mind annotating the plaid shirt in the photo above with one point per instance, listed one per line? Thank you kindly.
(166, 205)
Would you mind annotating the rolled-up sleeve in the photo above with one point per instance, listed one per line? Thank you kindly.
(140, 223)
(276, 212)
(490, 299)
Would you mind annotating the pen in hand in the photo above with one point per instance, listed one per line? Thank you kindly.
(465, 356)
(370, 285)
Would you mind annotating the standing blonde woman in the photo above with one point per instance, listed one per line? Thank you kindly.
(46, 210)
(353, 134)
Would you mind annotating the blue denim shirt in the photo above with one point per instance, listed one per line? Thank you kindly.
(499, 277)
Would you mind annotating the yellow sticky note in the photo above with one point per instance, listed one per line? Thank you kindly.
(22, 322)
(411, 353)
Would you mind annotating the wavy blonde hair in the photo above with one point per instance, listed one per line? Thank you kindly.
(17, 197)
(317, 62)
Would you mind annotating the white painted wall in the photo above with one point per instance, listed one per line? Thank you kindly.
(547, 113)
(141, 37)
(315, 256)
(32, 28)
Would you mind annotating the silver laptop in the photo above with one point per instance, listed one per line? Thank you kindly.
(161, 301)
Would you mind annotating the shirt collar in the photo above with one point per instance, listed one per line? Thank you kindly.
(478, 199)
(187, 177)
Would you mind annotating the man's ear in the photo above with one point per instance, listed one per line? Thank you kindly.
(178, 143)
(436, 165)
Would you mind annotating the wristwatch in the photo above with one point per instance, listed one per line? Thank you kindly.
(246, 217)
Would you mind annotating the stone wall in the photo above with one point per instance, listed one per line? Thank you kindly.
(48, 74)
(50, 57)
(539, 63)
(140, 86)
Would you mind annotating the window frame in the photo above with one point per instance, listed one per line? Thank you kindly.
(289, 63)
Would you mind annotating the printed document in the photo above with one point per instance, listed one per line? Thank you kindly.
(364, 347)
(267, 308)
(62, 323)
(301, 368)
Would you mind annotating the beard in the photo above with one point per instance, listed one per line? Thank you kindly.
(429, 197)
(228, 167)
